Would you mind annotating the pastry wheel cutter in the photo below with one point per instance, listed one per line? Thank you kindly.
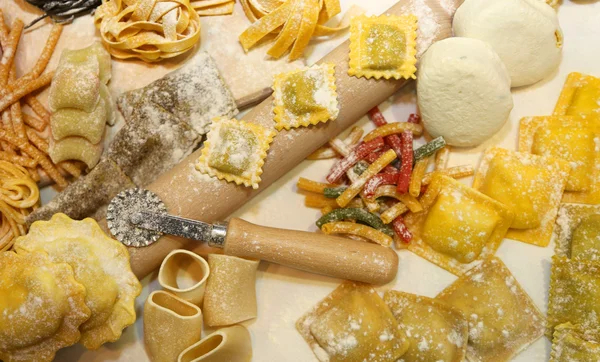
(138, 218)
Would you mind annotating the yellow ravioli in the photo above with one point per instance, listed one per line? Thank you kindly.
(578, 232)
(235, 151)
(383, 46)
(304, 97)
(530, 186)
(353, 324)
(568, 344)
(458, 225)
(574, 294)
(435, 330)
(42, 307)
(575, 139)
(580, 95)
(503, 320)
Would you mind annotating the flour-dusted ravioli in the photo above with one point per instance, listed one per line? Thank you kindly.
(304, 97)
(75, 148)
(42, 307)
(100, 264)
(96, 50)
(578, 232)
(570, 345)
(503, 320)
(573, 139)
(580, 95)
(353, 324)
(435, 330)
(75, 85)
(235, 151)
(530, 186)
(458, 225)
(574, 294)
(383, 46)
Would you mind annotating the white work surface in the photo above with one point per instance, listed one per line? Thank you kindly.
(285, 294)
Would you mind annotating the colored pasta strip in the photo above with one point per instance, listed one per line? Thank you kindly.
(356, 214)
(390, 191)
(406, 160)
(455, 172)
(334, 192)
(393, 212)
(360, 152)
(393, 140)
(359, 183)
(416, 178)
(319, 201)
(367, 232)
(429, 148)
(401, 230)
(329, 152)
(441, 158)
(312, 186)
(394, 128)
(414, 118)
(378, 180)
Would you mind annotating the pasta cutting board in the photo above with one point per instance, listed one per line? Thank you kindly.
(248, 76)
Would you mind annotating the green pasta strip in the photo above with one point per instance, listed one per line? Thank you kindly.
(333, 192)
(360, 167)
(429, 148)
(358, 214)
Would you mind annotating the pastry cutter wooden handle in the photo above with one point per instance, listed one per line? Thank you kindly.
(138, 217)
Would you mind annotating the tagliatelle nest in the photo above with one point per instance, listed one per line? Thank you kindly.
(295, 22)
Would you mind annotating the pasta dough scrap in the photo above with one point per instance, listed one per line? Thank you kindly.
(75, 148)
(383, 46)
(578, 232)
(67, 122)
(575, 139)
(100, 264)
(95, 50)
(353, 324)
(580, 95)
(75, 85)
(458, 225)
(503, 320)
(235, 151)
(530, 186)
(230, 295)
(574, 294)
(304, 97)
(436, 331)
(42, 307)
(568, 344)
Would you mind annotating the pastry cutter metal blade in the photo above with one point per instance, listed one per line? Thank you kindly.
(138, 218)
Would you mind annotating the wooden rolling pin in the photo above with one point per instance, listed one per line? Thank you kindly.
(189, 194)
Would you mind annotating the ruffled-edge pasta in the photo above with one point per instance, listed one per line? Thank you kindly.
(574, 294)
(230, 295)
(458, 227)
(569, 344)
(530, 186)
(100, 263)
(580, 95)
(42, 307)
(235, 151)
(503, 320)
(383, 46)
(305, 97)
(353, 324)
(573, 242)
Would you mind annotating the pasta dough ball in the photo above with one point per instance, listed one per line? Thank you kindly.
(524, 33)
(463, 91)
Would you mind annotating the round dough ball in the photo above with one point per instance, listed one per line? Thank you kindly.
(524, 33)
(463, 91)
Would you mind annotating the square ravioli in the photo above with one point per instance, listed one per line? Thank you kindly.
(574, 139)
(383, 46)
(458, 225)
(304, 97)
(574, 294)
(530, 186)
(569, 345)
(235, 151)
(580, 95)
(503, 320)
(578, 232)
(435, 330)
(353, 324)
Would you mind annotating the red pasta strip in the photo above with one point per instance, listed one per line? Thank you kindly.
(401, 230)
(392, 141)
(414, 118)
(390, 169)
(378, 180)
(376, 117)
(407, 161)
(357, 154)
(371, 157)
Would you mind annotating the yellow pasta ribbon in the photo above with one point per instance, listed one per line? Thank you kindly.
(390, 191)
(367, 232)
(393, 212)
(394, 128)
(313, 186)
(414, 187)
(455, 172)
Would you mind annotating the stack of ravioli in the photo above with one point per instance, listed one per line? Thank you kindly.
(81, 105)
(66, 281)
